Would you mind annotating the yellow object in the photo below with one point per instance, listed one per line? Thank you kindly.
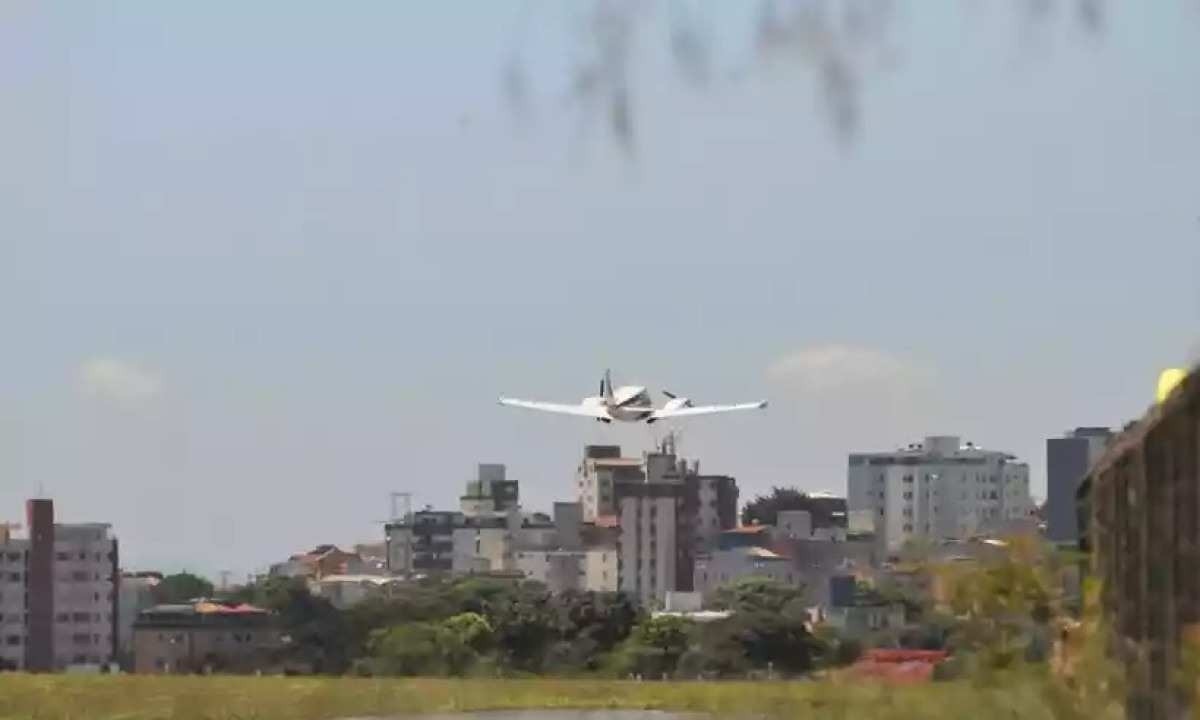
(1168, 381)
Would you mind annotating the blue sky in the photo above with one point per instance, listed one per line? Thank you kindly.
(260, 266)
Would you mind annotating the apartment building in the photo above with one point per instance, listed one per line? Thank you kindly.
(666, 521)
(58, 593)
(593, 569)
(423, 542)
(600, 471)
(941, 488)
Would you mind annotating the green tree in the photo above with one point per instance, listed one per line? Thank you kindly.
(656, 646)
(1005, 605)
(181, 588)
(410, 649)
(765, 509)
(463, 638)
(316, 630)
(759, 594)
(525, 628)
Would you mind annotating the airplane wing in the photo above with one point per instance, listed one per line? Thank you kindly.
(664, 413)
(592, 411)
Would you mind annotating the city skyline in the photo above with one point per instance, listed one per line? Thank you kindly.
(248, 293)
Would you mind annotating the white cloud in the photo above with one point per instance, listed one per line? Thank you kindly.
(834, 366)
(118, 380)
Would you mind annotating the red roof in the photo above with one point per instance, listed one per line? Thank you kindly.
(894, 665)
(749, 529)
(900, 655)
(206, 608)
(609, 521)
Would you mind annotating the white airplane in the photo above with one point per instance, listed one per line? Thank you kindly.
(629, 403)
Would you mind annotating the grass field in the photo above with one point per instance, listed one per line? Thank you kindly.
(130, 697)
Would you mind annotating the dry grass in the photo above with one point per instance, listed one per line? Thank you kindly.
(130, 697)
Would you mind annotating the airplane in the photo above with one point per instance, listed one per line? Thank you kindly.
(629, 403)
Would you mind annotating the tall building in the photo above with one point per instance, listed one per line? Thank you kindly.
(939, 489)
(58, 593)
(666, 521)
(1067, 461)
(596, 479)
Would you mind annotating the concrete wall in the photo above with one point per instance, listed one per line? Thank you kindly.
(723, 567)
(601, 570)
(482, 549)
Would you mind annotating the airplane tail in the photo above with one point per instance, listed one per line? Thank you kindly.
(606, 388)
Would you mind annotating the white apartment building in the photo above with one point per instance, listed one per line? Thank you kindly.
(85, 594)
(58, 593)
(939, 489)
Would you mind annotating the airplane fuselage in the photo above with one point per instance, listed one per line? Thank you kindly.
(629, 403)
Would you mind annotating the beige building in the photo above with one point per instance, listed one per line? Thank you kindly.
(484, 542)
(205, 637)
(346, 591)
(561, 570)
(601, 469)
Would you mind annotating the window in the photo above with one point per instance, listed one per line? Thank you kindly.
(880, 512)
(62, 557)
(907, 527)
(82, 555)
(62, 617)
(908, 495)
(14, 557)
(15, 577)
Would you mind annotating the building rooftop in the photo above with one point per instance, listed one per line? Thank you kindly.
(617, 462)
(761, 553)
(359, 579)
